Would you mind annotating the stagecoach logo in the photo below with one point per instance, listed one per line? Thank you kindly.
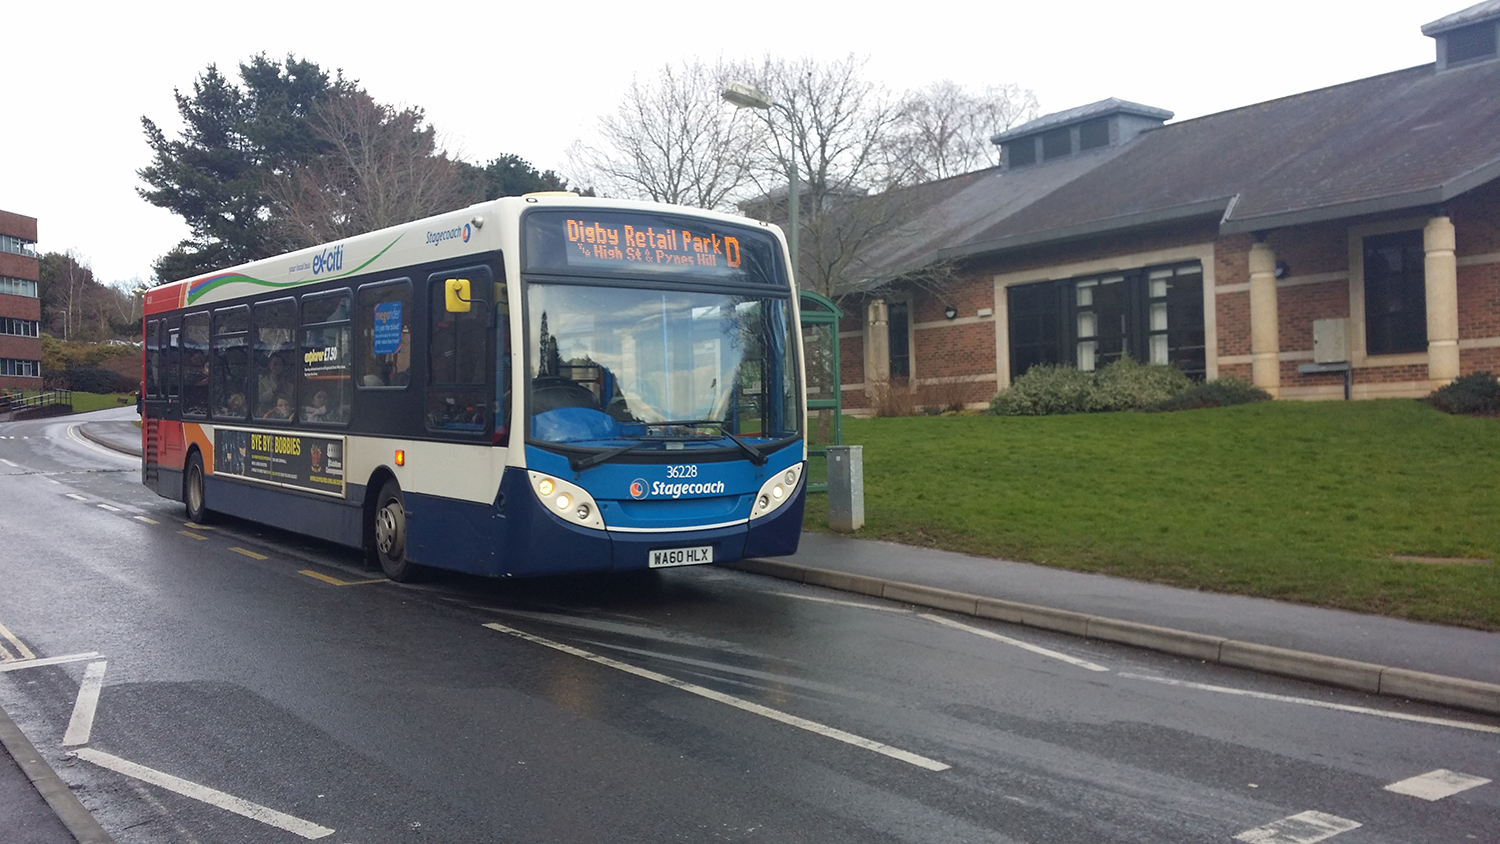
(329, 260)
(460, 233)
(640, 489)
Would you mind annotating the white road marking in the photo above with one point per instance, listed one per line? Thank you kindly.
(82, 722)
(1301, 828)
(75, 496)
(1027, 646)
(8, 463)
(109, 508)
(842, 603)
(204, 794)
(87, 443)
(745, 705)
(21, 650)
(1342, 707)
(1435, 785)
(51, 660)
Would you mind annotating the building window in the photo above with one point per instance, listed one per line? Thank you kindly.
(18, 286)
(898, 324)
(1152, 315)
(23, 368)
(1022, 152)
(1036, 330)
(1093, 134)
(1395, 294)
(18, 327)
(1476, 41)
(1057, 143)
(17, 246)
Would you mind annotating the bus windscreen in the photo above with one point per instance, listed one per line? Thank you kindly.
(635, 244)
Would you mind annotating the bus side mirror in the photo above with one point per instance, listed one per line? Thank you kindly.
(457, 295)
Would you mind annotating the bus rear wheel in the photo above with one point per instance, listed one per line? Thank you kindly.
(387, 540)
(192, 490)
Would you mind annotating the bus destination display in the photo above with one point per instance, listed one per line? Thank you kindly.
(632, 244)
(673, 247)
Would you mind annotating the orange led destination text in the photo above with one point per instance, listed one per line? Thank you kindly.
(629, 244)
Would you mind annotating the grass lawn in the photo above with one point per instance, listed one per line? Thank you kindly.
(83, 402)
(1297, 501)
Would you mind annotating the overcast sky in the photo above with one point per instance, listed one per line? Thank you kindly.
(531, 78)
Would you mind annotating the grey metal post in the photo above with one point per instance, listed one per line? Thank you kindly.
(846, 487)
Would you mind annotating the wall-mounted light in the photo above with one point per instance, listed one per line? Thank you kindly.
(1282, 270)
(950, 312)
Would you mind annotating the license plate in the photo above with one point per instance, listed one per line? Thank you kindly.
(666, 557)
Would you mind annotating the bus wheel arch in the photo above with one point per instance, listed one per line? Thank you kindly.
(385, 530)
(194, 498)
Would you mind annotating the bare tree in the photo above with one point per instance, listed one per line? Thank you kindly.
(673, 140)
(379, 167)
(837, 127)
(944, 129)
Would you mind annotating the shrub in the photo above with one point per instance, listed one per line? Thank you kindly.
(1046, 390)
(893, 398)
(94, 379)
(1127, 385)
(1477, 392)
(1122, 385)
(1220, 392)
(948, 395)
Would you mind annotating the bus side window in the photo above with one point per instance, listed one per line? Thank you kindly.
(174, 365)
(327, 365)
(275, 349)
(231, 362)
(153, 359)
(195, 364)
(383, 327)
(457, 356)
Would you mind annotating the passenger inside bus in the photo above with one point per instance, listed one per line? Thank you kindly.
(275, 382)
(282, 409)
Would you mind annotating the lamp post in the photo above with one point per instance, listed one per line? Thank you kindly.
(748, 96)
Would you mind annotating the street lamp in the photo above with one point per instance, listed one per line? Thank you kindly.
(748, 96)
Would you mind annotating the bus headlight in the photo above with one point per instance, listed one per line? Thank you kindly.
(776, 492)
(567, 501)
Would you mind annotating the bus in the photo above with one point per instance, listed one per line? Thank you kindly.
(535, 385)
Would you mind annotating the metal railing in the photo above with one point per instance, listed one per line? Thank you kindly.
(12, 403)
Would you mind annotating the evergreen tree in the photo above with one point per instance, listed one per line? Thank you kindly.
(512, 175)
(234, 140)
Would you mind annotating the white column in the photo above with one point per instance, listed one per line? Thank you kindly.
(1442, 301)
(1265, 365)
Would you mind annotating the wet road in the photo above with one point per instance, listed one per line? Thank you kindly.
(240, 684)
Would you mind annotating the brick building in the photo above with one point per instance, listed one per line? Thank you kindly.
(20, 309)
(1358, 223)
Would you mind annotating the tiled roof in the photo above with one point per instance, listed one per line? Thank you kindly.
(1406, 139)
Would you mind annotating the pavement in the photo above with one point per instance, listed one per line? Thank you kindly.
(1383, 656)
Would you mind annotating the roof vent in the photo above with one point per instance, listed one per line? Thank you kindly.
(1110, 122)
(1466, 37)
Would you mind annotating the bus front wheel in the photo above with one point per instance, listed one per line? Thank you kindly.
(388, 536)
(192, 490)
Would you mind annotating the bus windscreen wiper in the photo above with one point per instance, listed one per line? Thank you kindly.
(756, 456)
(592, 460)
